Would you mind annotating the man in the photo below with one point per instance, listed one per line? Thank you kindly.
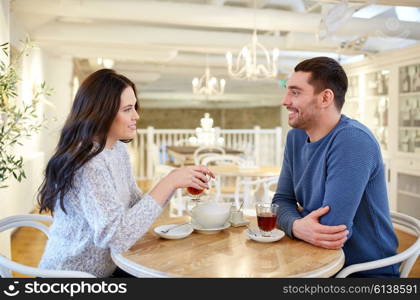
(332, 189)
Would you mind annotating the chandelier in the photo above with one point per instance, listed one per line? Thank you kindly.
(207, 84)
(247, 65)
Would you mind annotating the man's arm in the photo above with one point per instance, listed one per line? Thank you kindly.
(290, 220)
(352, 162)
(285, 195)
(310, 230)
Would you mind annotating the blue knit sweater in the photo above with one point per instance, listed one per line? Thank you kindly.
(343, 170)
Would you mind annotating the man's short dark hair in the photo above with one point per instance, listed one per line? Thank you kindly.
(326, 73)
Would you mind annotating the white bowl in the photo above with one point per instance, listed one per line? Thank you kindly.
(211, 214)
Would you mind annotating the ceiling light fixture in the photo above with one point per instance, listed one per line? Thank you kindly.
(247, 65)
(207, 84)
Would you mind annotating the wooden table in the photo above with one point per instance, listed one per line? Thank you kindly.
(185, 154)
(232, 170)
(229, 253)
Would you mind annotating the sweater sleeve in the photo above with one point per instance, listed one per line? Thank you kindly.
(114, 225)
(285, 196)
(351, 162)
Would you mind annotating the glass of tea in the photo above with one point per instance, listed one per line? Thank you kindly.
(195, 193)
(266, 217)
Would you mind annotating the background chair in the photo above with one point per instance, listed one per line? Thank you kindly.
(225, 185)
(248, 192)
(198, 160)
(205, 151)
(7, 265)
(223, 160)
(408, 257)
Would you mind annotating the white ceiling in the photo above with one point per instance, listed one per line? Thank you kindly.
(162, 45)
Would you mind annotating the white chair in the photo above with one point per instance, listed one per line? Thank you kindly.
(223, 160)
(248, 192)
(407, 257)
(225, 185)
(205, 151)
(198, 160)
(7, 265)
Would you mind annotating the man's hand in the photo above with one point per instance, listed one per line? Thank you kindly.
(310, 230)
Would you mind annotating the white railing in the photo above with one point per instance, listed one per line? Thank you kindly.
(149, 146)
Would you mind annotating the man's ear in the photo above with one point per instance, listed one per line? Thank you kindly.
(327, 98)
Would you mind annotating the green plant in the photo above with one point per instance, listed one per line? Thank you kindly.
(18, 120)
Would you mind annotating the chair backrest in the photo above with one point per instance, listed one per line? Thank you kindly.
(35, 221)
(198, 160)
(224, 181)
(207, 150)
(262, 189)
(407, 257)
(222, 160)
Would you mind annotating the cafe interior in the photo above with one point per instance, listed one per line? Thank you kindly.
(210, 78)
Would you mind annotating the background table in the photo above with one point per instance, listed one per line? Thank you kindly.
(229, 253)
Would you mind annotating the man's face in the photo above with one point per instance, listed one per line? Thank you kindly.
(301, 102)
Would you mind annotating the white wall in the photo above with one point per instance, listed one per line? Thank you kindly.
(58, 74)
(56, 71)
(4, 26)
(40, 66)
(4, 21)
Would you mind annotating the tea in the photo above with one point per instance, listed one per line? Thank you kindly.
(266, 221)
(194, 191)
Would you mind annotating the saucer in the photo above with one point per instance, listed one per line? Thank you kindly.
(255, 235)
(200, 229)
(177, 233)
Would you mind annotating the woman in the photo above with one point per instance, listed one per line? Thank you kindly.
(89, 186)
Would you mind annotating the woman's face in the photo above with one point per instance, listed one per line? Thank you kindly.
(124, 125)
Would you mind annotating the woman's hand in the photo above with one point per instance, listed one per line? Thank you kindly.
(190, 176)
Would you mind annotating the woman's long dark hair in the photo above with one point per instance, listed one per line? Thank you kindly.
(94, 108)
